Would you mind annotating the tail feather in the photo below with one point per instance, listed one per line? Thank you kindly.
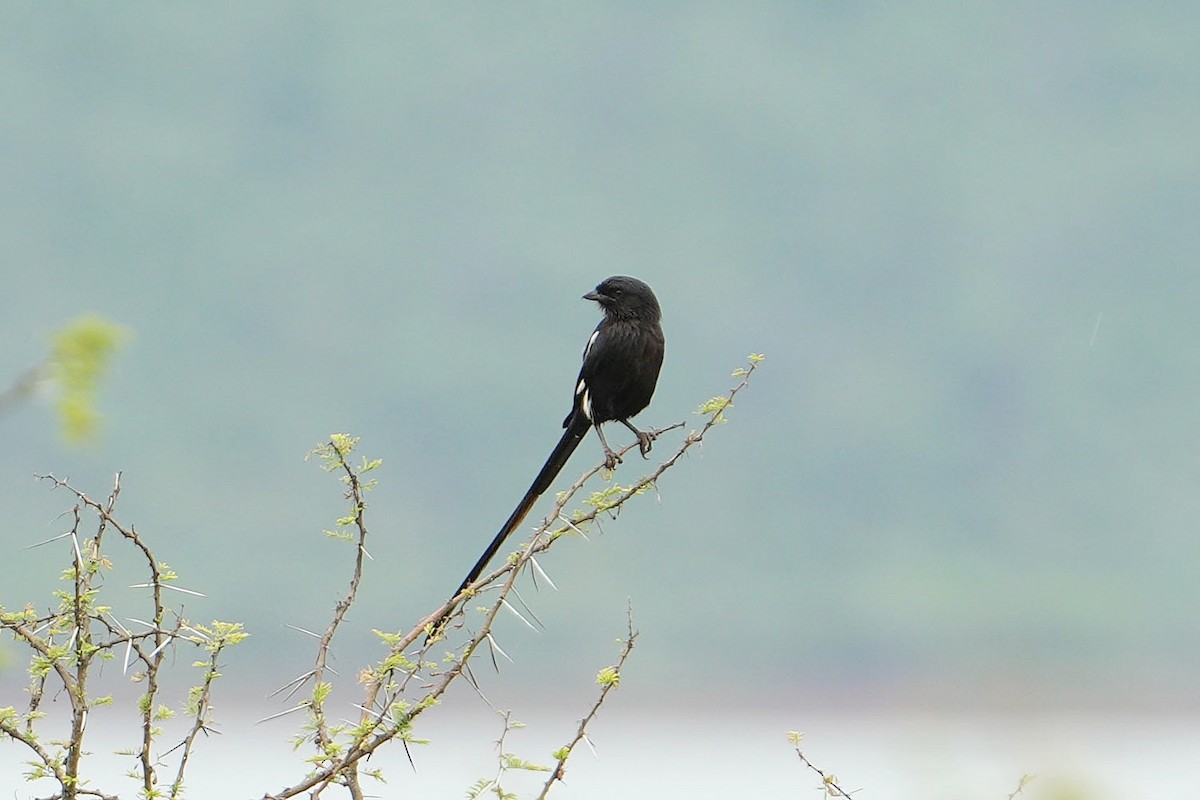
(572, 436)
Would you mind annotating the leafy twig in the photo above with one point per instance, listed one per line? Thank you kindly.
(66, 642)
(334, 455)
(608, 678)
(506, 763)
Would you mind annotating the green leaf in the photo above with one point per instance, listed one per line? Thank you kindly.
(714, 405)
(608, 677)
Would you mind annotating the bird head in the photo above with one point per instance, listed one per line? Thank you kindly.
(623, 297)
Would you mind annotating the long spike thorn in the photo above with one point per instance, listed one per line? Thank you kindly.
(574, 527)
(538, 568)
(302, 630)
(52, 539)
(292, 683)
(508, 605)
(492, 643)
(528, 609)
(291, 710)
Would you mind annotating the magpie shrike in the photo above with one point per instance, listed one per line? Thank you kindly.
(620, 369)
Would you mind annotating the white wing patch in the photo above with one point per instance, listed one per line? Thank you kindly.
(591, 341)
(581, 390)
(585, 400)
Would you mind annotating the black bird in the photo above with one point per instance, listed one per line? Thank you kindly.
(617, 379)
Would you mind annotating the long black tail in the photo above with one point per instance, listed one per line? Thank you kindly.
(571, 438)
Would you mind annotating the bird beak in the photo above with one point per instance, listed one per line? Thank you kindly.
(599, 298)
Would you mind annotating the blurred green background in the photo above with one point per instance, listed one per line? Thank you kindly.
(963, 234)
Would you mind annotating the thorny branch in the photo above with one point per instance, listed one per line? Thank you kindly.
(66, 642)
(153, 662)
(609, 679)
(335, 453)
(397, 689)
(385, 713)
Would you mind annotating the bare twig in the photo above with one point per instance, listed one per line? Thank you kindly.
(829, 781)
(24, 386)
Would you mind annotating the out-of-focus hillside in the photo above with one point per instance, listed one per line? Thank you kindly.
(965, 238)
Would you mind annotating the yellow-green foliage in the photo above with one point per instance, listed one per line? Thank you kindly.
(608, 677)
(82, 351)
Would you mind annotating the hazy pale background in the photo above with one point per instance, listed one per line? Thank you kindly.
(963, 234)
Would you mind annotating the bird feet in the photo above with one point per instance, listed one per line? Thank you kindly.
(611, 459)
(645, 440)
